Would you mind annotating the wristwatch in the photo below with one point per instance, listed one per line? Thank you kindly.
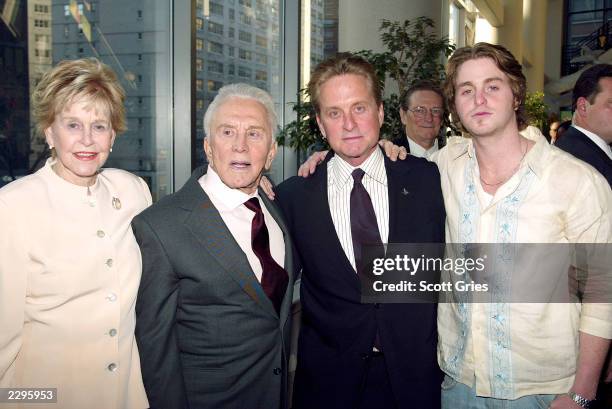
(581, 400)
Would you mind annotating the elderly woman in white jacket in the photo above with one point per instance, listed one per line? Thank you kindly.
(69, 264)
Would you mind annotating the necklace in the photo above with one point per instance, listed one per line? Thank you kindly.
(510, 174)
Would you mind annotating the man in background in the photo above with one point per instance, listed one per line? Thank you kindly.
(590, 135)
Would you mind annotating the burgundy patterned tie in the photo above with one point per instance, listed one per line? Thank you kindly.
(274, 278)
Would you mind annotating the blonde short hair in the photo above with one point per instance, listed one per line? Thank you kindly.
(70, 80)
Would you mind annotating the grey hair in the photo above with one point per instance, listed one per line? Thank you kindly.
(241, 90)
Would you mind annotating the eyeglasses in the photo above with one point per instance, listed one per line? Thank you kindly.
(421, 112)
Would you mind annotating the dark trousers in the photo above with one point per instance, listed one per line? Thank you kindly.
(376, 392)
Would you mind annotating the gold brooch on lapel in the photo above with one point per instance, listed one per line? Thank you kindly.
(116, 203)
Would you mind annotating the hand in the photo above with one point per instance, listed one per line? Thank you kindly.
(311, 163)
(392, 151)
(564, 402)
(267, 187)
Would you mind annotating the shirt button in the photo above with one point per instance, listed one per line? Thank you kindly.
(112, 367)
(112, 297)
(277, 371)
(112, 332)
(100, 233)
(109, 262)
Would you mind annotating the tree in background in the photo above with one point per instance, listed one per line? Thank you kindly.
(414, 52)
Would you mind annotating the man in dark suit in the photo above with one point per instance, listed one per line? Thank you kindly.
(422, 112)
(351, 354)
(213, 305)
(590, 135)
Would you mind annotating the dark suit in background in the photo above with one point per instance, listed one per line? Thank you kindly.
(337, 331)
(582, 147)
(208, 335)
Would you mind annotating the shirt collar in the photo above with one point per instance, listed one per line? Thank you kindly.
(223, 197)
(596, 139)
(420, 152)
(373, 166)
(535, 158)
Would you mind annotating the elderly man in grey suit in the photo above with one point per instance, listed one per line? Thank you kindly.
(213, 306)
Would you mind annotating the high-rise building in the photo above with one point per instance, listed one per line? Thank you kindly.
(130, 38)
(14, 92)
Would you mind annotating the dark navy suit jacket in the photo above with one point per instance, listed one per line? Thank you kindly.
(337, 330)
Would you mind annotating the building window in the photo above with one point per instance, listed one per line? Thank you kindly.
(245, 3)
(244, 36)
(244, 72)
(214, 85)
(261, 58)
(216, 8)
(199, 43)
(261, 41)
(230, 51)
(199, 64)
(199, 24)
(244, 54)
(215, 28)
(139, 13)
(200, 104)
(215, 66)
(214, 47)
(245, 19)
(230, 32)
(140, 36)
(199, 85)
(232, 16)
(261, 75)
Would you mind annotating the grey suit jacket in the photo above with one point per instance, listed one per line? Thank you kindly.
(208, 335)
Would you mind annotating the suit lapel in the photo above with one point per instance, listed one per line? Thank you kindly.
(289, 262)
(208, 228)
(320, 211)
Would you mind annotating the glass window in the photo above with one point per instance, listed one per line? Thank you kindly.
(58, 32)
(244, 72)
(582, 5)
(199, 24)
(244, 36)
(244, 54)
(199, 85)
(215, 27)
(215, 66)
(245, 18)
(215, 47)
(224, 69)
(199, 43)
(214, 85)
(216, 8)
(261, 41)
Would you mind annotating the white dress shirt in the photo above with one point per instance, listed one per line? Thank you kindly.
(597, 139)
(420, 152)
(339, 186)
(238, 218)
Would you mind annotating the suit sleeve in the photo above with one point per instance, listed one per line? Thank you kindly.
(155, 317)
(13, 284)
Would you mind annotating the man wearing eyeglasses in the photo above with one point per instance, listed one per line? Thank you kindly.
(422, 112)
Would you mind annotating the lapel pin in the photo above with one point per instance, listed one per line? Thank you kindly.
(405, 192)
(116, 203)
